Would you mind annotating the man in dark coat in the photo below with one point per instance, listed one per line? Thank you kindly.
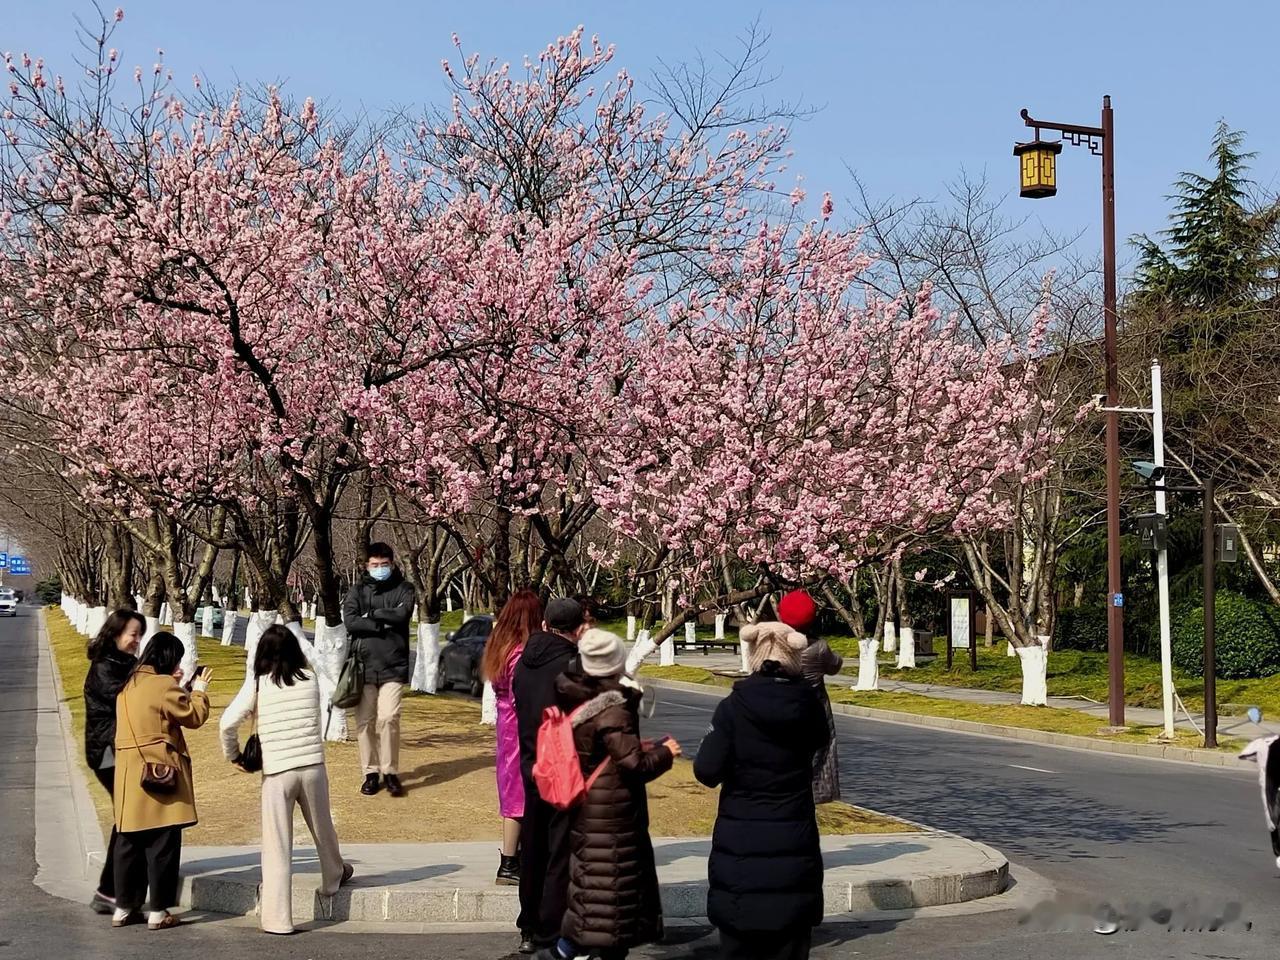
(376, 614)
(765, 870)
(544, 833)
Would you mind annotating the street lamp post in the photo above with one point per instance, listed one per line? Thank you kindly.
(1038, 169)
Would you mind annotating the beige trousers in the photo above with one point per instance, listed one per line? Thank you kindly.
(378, 727)
(308, 787)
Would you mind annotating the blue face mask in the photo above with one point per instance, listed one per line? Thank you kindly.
(380, 573)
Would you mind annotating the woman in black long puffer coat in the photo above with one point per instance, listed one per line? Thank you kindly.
(613, 902)
(111, 660)
(765, 870)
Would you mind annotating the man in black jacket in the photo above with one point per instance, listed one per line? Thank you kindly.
(376, 614)
(544, 833)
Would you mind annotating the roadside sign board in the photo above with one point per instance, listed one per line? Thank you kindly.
(19, 566)
(4, 561)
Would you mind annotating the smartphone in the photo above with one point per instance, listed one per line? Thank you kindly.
(201, 672)
(662, 739)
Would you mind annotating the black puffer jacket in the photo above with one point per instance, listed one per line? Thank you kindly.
(765, 871)
(102, 683)
(613, 881)
(377, 614)
(533, 686)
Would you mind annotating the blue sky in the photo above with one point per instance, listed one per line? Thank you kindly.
(910, 92)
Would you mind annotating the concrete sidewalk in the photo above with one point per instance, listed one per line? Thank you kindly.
(454, 882)
(1228, 726)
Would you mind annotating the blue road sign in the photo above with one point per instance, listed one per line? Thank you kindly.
(1117, 599)
(4, 560)
(19, 566)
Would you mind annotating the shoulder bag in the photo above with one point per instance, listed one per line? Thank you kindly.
(350, 686)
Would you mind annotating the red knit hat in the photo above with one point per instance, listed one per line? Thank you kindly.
(797, 610)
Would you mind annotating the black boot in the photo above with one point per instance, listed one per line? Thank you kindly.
(508, 871)
(371, 784)
(394, 786)
(527, 946)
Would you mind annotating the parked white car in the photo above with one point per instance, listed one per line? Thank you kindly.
(8, 602)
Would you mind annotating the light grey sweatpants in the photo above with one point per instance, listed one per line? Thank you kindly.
(308, 787)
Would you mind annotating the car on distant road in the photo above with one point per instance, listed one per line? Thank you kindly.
(8, 602)
(460, 658)
(217, 618)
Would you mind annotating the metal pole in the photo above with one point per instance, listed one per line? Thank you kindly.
(1162, 556)
(1210, 597)
(1115, 587)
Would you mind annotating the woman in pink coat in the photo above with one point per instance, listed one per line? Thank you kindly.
(520, 617)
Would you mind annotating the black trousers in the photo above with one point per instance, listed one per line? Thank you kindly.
(148, 860)
(787, 945)
(107, 880)
(544, 868)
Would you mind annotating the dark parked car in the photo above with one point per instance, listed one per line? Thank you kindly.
(460, 658)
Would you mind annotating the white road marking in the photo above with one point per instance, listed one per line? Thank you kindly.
(1032, 769)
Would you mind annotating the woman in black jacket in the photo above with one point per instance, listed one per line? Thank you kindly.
(112, 656)
(765, 870)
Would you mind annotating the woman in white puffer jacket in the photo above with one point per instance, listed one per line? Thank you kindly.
(284, 694)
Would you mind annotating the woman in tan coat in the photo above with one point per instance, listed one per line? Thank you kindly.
(151, 711)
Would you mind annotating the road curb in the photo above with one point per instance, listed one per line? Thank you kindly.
(984, 873)
(1152, 751)
(69, 841)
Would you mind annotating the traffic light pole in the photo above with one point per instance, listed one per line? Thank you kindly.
(1162, 555)
(1210, 604)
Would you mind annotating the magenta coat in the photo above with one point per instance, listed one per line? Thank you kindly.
(510, 782)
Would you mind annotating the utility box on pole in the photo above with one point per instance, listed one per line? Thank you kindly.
(1228, 537)
(1153, 531)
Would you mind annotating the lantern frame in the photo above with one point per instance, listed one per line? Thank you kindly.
(1043, 158)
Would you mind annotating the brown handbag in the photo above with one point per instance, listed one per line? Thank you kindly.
(161, 778)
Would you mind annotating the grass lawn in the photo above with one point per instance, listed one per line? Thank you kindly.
(446, 759)
(1073, 673)
(1053, 719)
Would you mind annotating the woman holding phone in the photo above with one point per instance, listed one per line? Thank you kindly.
(283, 696)
(154, 793)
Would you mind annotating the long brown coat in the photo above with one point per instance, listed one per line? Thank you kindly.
(818, 661)
(151, 711)
(613, 881)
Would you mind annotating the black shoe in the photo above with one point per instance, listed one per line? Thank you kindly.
(102, 904)
(370, 785)
(508, 871)
(527, 946)
(394, 786)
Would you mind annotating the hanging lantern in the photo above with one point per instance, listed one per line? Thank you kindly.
(1038, 167)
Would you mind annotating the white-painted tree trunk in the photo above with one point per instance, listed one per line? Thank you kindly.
(166, 614)
(97, 618)
(85, 610)
(427, 664)
(868, 664)
(667, 653)
(1009, 649)
(186, 632)
(906, 648)
(153, 627)
(258, 622)
(229, 620)
(466, 614)
(248, 599)
(448, 603)
(890, 637)
(744, 653)
(331, 649)
(489, 706)
(690, 634)
(720, 626)
(631, 629)
(137, 601)
(206, 625)
(1034, 661)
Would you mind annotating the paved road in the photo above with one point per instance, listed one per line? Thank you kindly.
(1111, 828)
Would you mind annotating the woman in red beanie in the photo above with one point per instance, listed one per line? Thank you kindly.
(798, 611)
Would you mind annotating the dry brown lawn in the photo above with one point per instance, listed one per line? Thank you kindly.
(446, 759)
